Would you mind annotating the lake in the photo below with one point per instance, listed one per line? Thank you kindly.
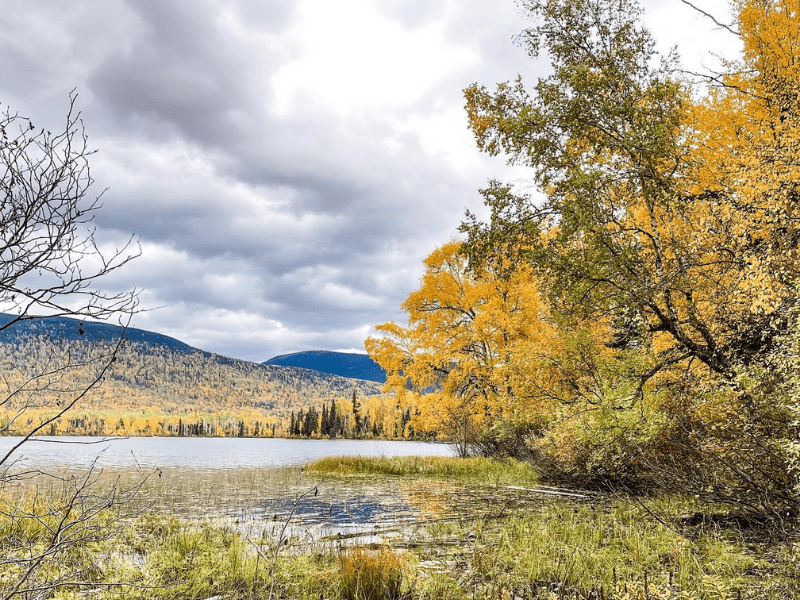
(199, 454)
(253, 484)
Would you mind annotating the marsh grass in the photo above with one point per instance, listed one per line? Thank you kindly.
(181, 560)
(600, 548)
(474, 469)
(27, 526)
(175, 558)
(609, 548)
(611, 552)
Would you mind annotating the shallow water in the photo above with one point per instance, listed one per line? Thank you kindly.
(352, 510)
(255, 485)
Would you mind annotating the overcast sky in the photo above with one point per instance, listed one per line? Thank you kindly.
(285, 164)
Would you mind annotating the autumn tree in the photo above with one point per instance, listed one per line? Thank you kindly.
(51, 264)
(673, 215)
(664, 211)
(455, 355)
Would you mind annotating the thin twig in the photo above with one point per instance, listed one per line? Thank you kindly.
(281, 538)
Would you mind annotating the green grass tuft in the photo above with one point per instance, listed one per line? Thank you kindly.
(472, 470)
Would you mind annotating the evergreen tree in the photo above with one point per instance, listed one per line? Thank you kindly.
(309, 425)
(356, 416)
(333, 419)
(324, 425)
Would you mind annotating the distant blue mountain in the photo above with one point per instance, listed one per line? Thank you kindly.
(346, 364)
(63, 328)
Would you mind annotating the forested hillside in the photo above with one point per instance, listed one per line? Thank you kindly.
(159, 386)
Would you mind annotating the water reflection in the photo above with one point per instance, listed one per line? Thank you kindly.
(345, 510)
(249, 492)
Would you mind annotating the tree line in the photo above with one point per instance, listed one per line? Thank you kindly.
(354, 417)
(352, 420)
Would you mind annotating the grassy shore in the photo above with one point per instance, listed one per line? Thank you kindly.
(610, 547)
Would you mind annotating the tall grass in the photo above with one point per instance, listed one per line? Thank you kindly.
(611, 549)
(472, 470)
(372, 574)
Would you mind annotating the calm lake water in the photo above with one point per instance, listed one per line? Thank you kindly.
(254, 484)
(199, 454)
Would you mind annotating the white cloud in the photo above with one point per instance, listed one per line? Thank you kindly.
(349, 58)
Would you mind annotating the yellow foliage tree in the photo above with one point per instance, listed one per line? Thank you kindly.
(672, 214)
(456, 356)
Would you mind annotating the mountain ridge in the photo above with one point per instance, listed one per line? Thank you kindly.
(157, 385)
(345, 364)
(70, 329)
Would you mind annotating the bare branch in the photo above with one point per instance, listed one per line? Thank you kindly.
(50, 265)
(709, 16)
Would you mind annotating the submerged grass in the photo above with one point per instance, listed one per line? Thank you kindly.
(472, 470)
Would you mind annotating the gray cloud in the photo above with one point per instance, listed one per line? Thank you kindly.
(285, 164)
(411, 12)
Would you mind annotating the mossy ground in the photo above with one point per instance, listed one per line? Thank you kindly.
(603, 548)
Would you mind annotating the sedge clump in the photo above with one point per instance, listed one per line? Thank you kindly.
(367, 574)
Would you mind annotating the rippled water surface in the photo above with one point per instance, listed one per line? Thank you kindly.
(256, 485)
